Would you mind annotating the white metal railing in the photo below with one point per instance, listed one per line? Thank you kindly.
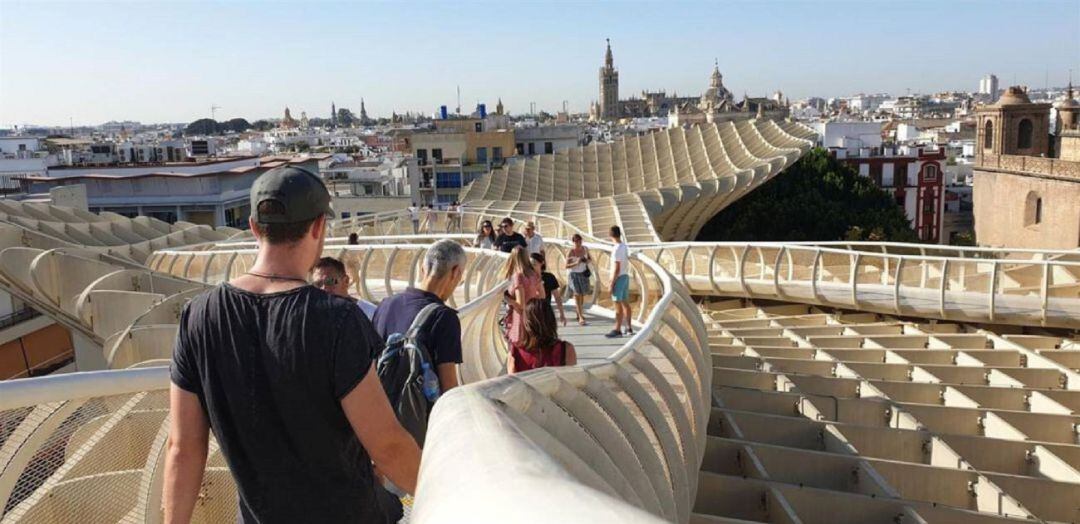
(1027, 291)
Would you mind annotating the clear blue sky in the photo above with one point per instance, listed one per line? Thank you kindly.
(170, 61)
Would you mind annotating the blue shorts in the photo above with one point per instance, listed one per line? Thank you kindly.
(622, 289)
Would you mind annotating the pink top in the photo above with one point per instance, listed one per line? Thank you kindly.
(533, 288)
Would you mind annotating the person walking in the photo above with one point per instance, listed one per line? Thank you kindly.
(485, 238)
(451, 216)
(459, 216)
(533, 240)
(508, 239)
(525, 285)
(283, 374)
(444, 266)
(620, 284)
(414, 216)
(430, 217)
(551, 284)
(577, 263)
(540, 346)
(329, 275)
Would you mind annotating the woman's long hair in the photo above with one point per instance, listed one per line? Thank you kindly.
(520, 263)
(541, 332)
(480, 233)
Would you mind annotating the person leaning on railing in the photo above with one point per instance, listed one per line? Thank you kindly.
(284, 374)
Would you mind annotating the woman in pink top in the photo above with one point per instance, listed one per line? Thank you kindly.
(525, 285)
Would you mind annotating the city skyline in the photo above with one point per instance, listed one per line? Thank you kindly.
(254, 59)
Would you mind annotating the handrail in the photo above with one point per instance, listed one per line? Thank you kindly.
(1039, 291)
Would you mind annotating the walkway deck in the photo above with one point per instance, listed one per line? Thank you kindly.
(589, 341)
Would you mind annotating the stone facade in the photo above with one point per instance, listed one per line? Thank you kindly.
(1023, 196)
(1016, 209)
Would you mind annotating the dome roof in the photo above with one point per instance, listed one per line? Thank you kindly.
(1013, 96)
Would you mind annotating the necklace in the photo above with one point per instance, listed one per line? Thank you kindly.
(276, 277)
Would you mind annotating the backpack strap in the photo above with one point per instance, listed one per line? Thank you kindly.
(421, 319)
(419, 322)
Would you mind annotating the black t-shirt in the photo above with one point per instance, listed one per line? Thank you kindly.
(270, 371)
(550, 284)
(442, 338)
(507, 243)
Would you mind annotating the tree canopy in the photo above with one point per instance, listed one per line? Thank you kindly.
(817, 199)
(206, 126)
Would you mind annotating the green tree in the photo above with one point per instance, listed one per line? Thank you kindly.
(817, 198)
(202, 126)
(236, 125)
(262, 125)
(345, 118)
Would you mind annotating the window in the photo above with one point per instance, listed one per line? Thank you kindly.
(1023, 135)
(481, 155)
(436, 155)
(549, 148)
(421, 155)
(988, 134)
(496, 153)
(532, 148)
(450, 179)
(1033, 209)
(930, 173)
(479, 127)
(520, 146)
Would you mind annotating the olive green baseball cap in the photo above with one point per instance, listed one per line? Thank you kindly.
(301, 193)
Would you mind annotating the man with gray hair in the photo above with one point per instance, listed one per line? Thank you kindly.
(444, 265)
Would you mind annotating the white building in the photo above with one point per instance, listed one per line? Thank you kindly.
(851, 136)
(20, 156)
(537, 140)
(989, 86)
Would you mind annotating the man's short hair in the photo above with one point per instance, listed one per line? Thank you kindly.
(280, 233)
(330, 264)
(441, 258)
(616, 232)
(506, 221)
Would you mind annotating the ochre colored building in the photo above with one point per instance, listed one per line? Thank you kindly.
(1027, 178)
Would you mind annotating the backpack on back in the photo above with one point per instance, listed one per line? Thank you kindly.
(408, 376)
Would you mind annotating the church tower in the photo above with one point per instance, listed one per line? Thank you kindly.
(363, 114)
(609, 87)
(333, 115)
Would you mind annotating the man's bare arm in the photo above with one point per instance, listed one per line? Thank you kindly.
(447, 376)
(392, 449)
(185, 457)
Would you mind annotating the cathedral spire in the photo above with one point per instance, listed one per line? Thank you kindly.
(717, 79)
(609, 61)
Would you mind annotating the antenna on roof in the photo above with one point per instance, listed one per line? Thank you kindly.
(459, 99)
(213, 112)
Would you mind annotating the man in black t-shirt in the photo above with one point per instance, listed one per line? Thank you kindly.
(283, 374)
(508, 239)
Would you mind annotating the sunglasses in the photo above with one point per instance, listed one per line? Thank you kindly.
(327, 282)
